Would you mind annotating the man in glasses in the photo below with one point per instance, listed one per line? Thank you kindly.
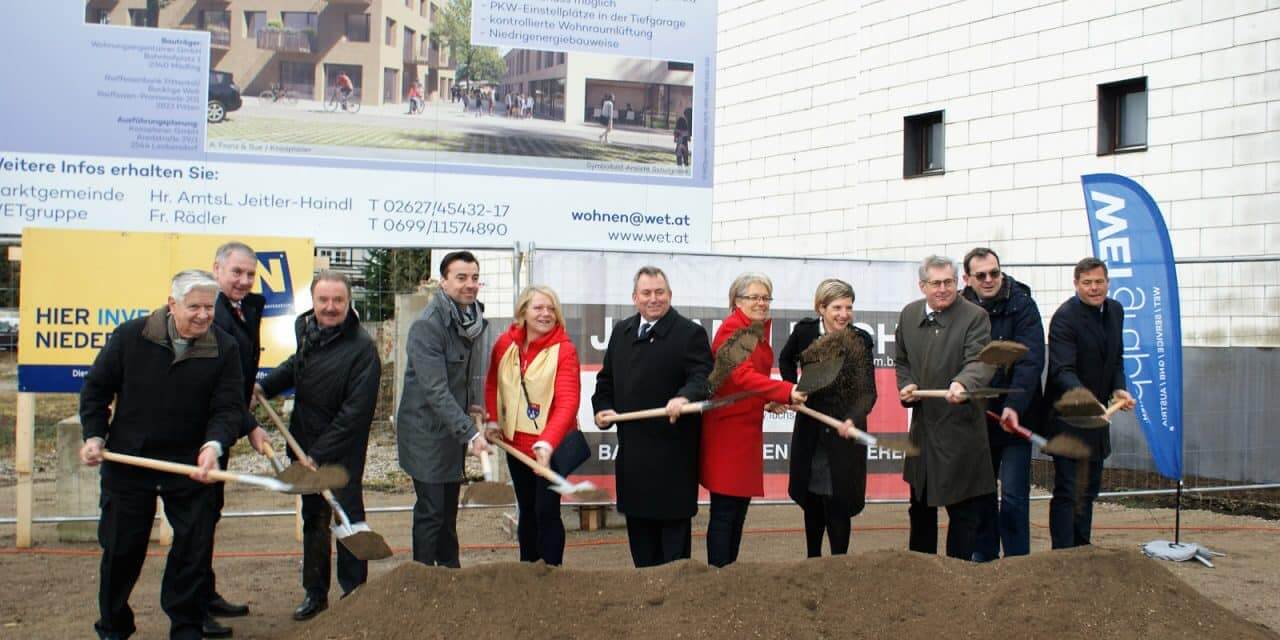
(938, 340)
(1015, 317)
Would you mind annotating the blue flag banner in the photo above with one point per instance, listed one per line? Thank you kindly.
(1129, 234)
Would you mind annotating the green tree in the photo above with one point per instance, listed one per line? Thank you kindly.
(454, 30)
(386, 273)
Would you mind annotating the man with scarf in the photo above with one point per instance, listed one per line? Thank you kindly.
(335, 378)
(1015, 317)
(443, 389)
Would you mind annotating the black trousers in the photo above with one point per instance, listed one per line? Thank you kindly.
(724, 530)
(539, 529)
(219, 500)
(317, 542)
(435, 523)
(962, 530)
(124, 530)
(1071, 508)
(654, 542)
(819, 518)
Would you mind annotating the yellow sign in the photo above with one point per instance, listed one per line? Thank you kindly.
(78, 285)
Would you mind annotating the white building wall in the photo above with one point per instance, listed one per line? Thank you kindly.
(810, 106)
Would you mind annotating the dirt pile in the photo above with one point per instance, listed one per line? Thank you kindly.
(1084, 593)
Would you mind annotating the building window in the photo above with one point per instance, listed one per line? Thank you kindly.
(560, 58)
(254, 21)
(923, 144)
(390, 36)
(300, 20)
(94, 15)
(138, 17)
(214, 19)
(1122, 116)
(358, 27)
(679, 66)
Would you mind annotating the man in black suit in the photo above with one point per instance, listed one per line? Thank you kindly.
(1085, 350)
(238, 312)
(656, 357)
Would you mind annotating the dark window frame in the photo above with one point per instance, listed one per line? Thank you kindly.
(917, 132)
(367, 28)
(1111, 120)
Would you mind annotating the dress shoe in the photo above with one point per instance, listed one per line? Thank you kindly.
(219, 606)
(309, 608)
(214, 629)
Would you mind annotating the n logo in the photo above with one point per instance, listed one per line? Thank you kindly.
(277, 283)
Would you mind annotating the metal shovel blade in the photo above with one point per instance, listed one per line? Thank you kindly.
(1002, 353)
(489, 493)
(362, 542)
(819, 375)
(584, 491)
(306, 481)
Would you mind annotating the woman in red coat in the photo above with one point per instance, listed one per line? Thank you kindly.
(531, 395)
(732, 460)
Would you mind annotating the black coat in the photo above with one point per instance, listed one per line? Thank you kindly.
(1085, 350)
(166, 407)
(657, 463)
(245, 332)
(1014, 316)
(847, 458)
(335, 388)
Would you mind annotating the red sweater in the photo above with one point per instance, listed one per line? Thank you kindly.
(732, 452)
(562, 417)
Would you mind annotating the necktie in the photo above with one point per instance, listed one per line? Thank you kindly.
(644, 329)
(932, 317)
(239, 311)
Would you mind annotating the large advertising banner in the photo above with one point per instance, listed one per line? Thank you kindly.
(365, 123)
(595, 290)
(77, 286)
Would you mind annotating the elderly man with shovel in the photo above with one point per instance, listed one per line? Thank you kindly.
(939, 339)
(176, 384)
(335, 378)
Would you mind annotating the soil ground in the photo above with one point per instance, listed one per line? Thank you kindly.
(50, 591)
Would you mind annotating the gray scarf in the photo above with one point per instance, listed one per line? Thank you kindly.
(469, 328)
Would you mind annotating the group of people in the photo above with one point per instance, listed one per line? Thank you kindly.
(519, 105)
(182, 381)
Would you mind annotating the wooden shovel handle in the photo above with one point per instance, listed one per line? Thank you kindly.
(288, 437)
(539, 469)
(1113, 409)
(859, 434)
(168, 467)
(660, 412)
(1019, 430)
(486, 465)
(931, 393)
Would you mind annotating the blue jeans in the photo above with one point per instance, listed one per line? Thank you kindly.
(1071, 509)
(1007, 522)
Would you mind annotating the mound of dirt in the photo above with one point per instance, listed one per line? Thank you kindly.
(1088, 592)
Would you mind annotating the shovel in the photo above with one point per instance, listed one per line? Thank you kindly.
(693, 407)
(584, 491)
(819, 375)
(981, 393)
(308, 481)
(187, 469)
(1002, 353)
(357, 537)
(487, 492)
(858, 434)
(1095, 421)
(1063, 444)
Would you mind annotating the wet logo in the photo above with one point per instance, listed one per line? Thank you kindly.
(277, 283)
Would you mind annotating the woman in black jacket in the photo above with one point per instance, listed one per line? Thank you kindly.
(828, 477)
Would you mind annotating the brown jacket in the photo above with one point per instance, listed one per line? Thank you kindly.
(954, 455)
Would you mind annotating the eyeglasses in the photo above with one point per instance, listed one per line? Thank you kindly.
(757, 299)
(949, 283)
(983, 276)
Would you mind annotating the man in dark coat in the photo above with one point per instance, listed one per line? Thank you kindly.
(175, 380)
(1015, 317)
(335, 378)
(1085, 350)
(238, 312)
(938, 340)
(656, 357)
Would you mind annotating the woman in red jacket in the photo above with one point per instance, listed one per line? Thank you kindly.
(531, 396)
(731, 456)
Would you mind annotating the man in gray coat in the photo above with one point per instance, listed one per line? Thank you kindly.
(443, 386)
(938, 341)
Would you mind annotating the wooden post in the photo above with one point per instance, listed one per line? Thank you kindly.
(166, 530)
(297, 518)
(24, 464)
